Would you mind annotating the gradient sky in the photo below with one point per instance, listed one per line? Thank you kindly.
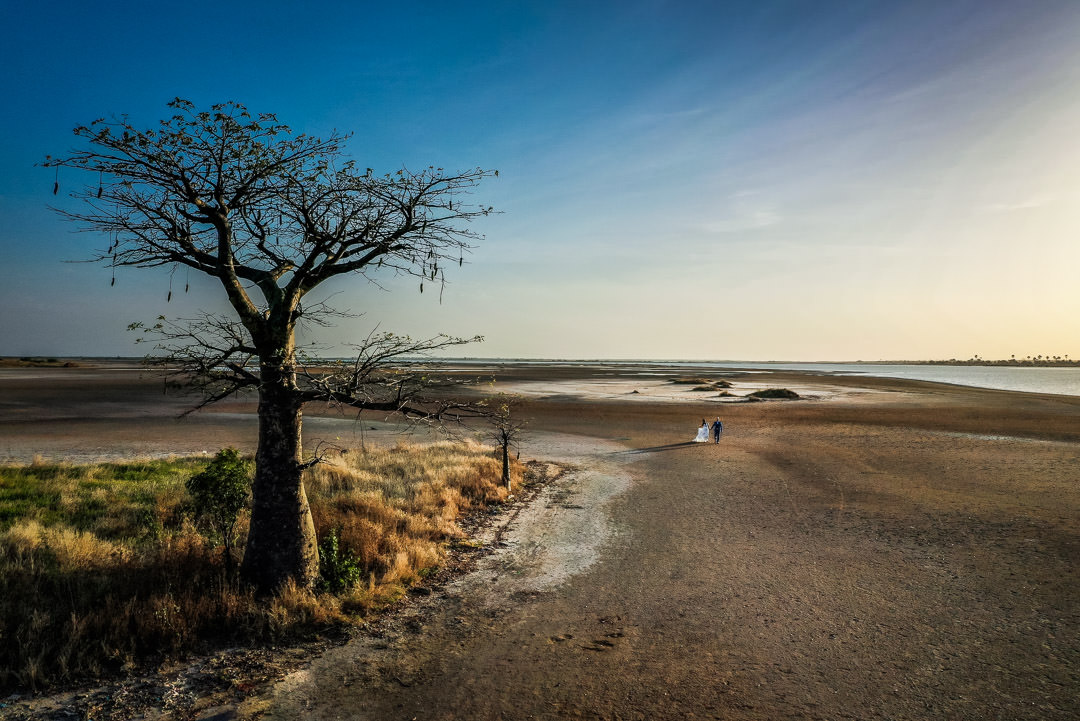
(701, 180)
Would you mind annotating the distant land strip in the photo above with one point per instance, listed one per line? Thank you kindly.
(1026, 362)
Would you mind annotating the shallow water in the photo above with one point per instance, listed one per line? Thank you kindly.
(1062, 381)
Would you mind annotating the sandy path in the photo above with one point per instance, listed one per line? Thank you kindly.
(455, 647)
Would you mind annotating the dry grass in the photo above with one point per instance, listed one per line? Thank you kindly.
(101, 568)
(395, 508)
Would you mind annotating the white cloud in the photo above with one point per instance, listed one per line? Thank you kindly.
(1036, 201)
(745, 211)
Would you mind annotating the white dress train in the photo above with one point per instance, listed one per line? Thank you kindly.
(702, 434)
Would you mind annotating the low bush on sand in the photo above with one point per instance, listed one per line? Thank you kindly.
(35, 362)
(704, 384)
(102, 567)
(783, 393)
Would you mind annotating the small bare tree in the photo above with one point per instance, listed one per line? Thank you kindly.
(272, 216)
(505, 427)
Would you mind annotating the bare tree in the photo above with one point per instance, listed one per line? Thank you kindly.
(272, 215)
(506, 426)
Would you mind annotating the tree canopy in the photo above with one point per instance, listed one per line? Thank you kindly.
(272, 215)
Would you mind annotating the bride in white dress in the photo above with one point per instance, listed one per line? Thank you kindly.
(702, 433)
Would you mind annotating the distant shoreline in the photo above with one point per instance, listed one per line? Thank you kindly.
(1011, 363)
(59, 361)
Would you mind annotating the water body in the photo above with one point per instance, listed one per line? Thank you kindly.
(1062, 381)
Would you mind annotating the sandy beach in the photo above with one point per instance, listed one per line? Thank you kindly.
(884, 549)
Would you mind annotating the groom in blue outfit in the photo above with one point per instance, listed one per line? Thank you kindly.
(717, 429)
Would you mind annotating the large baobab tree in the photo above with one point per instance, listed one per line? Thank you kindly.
(272, 216)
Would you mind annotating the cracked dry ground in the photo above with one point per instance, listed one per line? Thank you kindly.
(909, 558)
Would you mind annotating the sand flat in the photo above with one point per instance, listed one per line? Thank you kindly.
(906, 551)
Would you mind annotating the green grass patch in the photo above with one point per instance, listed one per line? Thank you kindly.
(110, 499)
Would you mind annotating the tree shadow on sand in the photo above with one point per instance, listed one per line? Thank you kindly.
(655, 449)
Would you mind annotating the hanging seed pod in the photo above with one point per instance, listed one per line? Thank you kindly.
(55, 187)
(185, 287)
(461, 260)
(168, 298)
(421, 287)
(100, 187)
(111, 284)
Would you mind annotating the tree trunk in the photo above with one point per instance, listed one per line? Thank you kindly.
(506, 465)
(281, 542)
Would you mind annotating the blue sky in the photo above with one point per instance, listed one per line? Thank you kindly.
(757, 180)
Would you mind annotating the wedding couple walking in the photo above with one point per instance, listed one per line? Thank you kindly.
(703, 432)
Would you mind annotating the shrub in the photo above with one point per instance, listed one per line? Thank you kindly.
(218, 495)
(338, 569)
